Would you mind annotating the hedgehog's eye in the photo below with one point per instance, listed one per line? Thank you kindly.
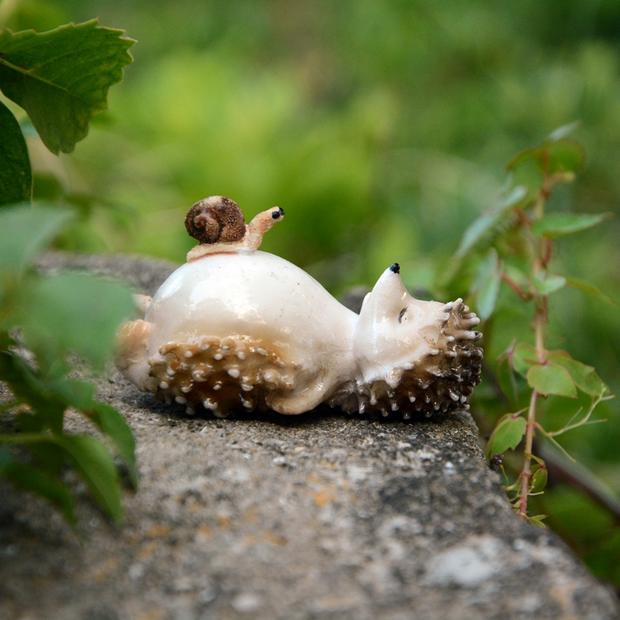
(402, 314)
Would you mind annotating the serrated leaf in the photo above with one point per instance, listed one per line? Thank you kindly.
(523, 357)
(29, 478)
(507, 434)
(26, 230)
(74, 313)
(61, 77)
(551, 378)
(15, 172)
(560, 224)
(483, 226)
(548, 283)
(487, 284)
(584, 376)
(94, 464)
(553, 157)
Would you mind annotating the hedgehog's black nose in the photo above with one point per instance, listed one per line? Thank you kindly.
(279, 212)
(395, 267)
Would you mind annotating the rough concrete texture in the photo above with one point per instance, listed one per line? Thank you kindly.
(319, 516)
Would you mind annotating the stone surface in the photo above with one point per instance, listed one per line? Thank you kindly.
(317, 516)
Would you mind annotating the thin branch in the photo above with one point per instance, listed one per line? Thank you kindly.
(585, 421)
(556, 444)
(524, 295)
(526, 472)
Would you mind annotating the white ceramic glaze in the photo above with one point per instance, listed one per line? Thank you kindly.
(238, 328)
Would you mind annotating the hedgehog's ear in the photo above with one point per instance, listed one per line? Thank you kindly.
(387, 298)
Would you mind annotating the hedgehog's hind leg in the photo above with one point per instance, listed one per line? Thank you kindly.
(131, 352)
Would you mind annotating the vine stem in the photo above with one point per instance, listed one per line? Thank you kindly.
(526, 472)
(541, 256)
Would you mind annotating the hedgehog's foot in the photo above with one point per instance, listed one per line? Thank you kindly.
(131, 352)
(221, 375)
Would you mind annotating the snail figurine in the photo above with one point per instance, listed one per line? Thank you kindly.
(238, 329)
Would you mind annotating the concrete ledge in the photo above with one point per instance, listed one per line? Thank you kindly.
(321, 516)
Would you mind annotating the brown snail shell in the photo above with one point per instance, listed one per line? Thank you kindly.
(215, 219)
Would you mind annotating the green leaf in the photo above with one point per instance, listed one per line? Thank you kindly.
(113, 424)
(74, 313)
(34, 480)
(553, 157)
(523, 356)
(537, 520)
(61, 77)
(564, 131)
(551, 378)
(96, 467)
(506, 379)
(539, 478)
(487, 284)
(483, 227)
(585, 377)
(81, 396)
(27, 384)
(516, 275)
(548, 283)
(560, 224)
(589, 289)
(26, 230)
(507, 434)
(15, 173)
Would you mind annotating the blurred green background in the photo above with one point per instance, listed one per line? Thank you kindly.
(383, 129)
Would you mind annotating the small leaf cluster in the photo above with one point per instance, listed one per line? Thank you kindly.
(511, 248)
(60, 79)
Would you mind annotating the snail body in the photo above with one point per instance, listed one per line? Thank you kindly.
(236, 328)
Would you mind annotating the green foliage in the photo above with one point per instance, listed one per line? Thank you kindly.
(547, 283)
(507, 434)
(92, 307)
(60, 78)
(487, 284)
(520, 256)
(490, 224)
(589, 289)
(550, 378)
(554, 157)
(560, 224)
(24, 232)
(15, 173)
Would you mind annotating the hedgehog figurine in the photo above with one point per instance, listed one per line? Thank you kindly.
(238, 329)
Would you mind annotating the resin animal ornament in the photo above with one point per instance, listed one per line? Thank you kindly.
(236, 329)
